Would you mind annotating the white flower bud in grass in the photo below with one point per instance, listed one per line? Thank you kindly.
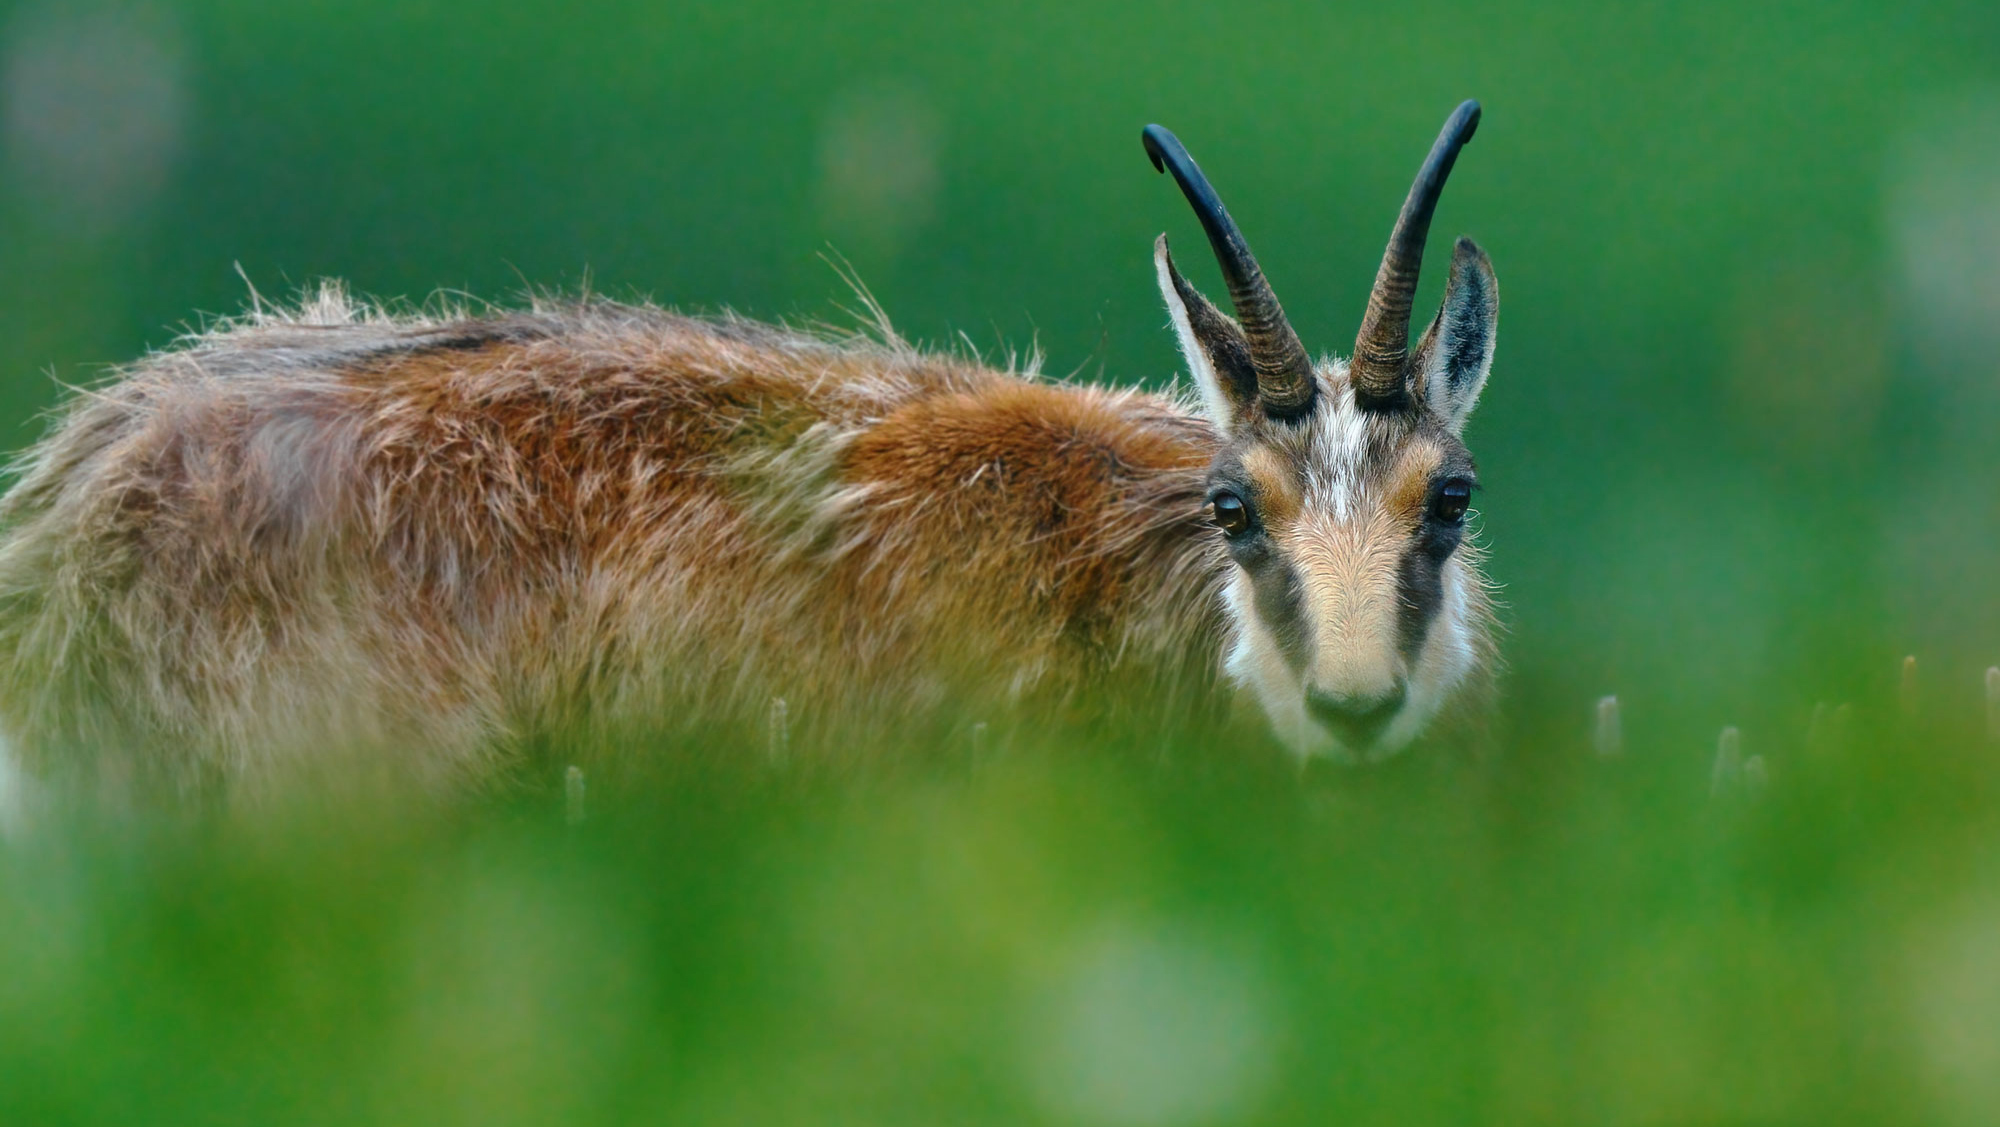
(573, 795)
(1609, 735)
(1906, 692)
(1993, 703)
(1756, 777)
(979, 742)
(779, 733)
(1728, 769)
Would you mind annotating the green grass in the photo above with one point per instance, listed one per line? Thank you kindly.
(1051, 936)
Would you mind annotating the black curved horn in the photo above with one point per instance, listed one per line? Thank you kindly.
(1284, 371)
(1382, 348)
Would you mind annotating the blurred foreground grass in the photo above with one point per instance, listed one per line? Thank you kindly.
(1050, 936)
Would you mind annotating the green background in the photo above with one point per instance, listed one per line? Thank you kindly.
(1737, 453)
(1713, 430)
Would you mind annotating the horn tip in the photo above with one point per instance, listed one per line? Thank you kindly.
(1465, 119)
(1157, 138)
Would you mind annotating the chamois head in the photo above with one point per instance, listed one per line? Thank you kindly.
(1342, 487)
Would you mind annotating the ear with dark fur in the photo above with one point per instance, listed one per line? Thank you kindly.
(1217, 352)
(1452, 360)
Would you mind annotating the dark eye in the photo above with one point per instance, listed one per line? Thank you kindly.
(1231, 514)
(1451, 502)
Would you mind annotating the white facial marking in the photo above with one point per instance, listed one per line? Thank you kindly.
(1338, 500)
(1339, 443)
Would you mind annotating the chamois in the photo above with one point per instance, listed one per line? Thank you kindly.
(436, 534)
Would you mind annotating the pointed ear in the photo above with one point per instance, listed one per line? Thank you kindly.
(1452, 360)
(1217, 352)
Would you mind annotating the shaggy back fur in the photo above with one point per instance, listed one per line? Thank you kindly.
(337, 528)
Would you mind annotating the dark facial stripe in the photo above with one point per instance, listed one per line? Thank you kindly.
(1277, 596)
(1279, 600)
(1420, 587)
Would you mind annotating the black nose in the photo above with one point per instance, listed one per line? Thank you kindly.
(1356, 720)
